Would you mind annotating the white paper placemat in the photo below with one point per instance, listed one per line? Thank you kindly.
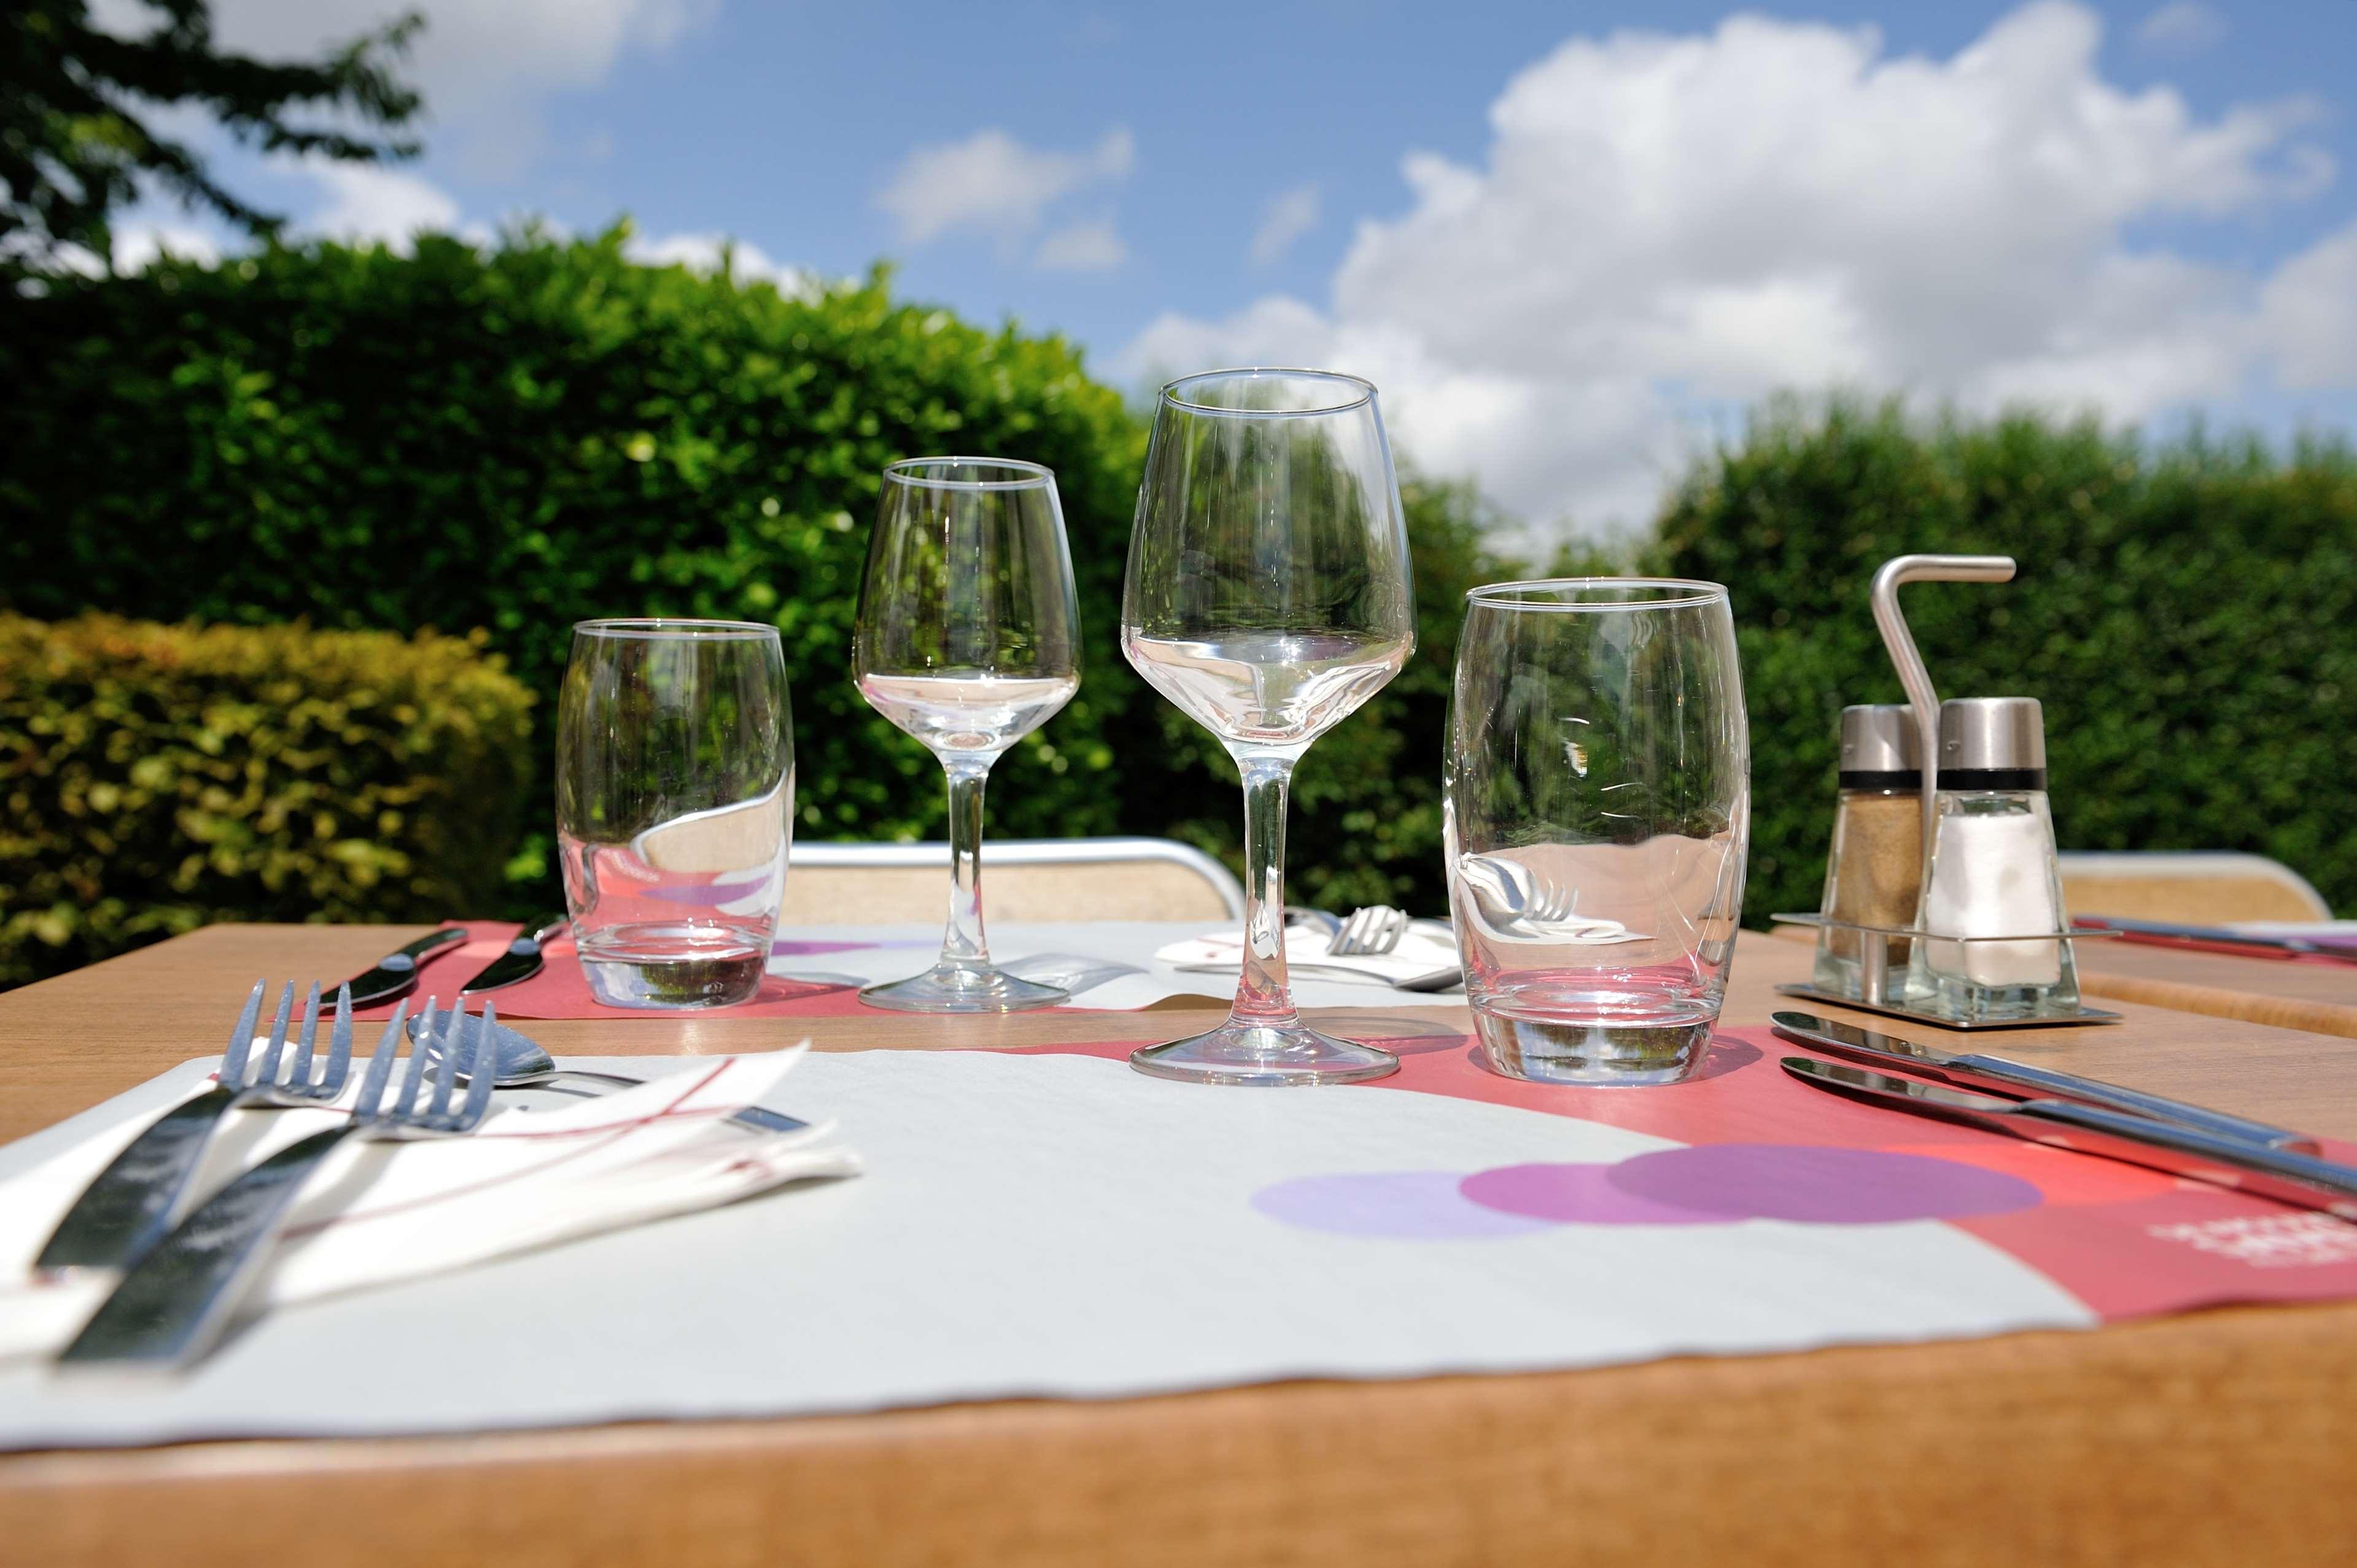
(1042, 1225)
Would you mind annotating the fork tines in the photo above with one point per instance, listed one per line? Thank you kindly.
(278, 1078)
(420, 1106)
(1372, 930)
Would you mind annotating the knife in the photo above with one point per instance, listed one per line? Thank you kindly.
(2279, 1173)
(520, 962)
(1972, 1071)
(396, 974)
(2165, 934)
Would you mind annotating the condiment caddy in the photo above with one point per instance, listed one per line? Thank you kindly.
(1943, 893)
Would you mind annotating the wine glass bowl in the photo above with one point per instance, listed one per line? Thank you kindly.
(968, 640)
(1267, 596)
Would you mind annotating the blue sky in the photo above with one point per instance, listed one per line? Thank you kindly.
(2142, 207)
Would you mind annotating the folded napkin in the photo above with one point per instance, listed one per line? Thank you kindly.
(1429, 947)
(377, 1212)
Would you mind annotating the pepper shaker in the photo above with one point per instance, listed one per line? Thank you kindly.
(1874, 870)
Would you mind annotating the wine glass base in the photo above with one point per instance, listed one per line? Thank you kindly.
(959, 988)
(1266, 1055)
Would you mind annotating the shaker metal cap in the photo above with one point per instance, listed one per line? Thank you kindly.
(1879, 739)
(1992, 736)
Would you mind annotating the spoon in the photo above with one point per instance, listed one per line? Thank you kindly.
(521, 1063)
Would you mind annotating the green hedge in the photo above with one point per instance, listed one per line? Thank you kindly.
(2183, 612)
(514, 439)
(501, 442)
(154, 777)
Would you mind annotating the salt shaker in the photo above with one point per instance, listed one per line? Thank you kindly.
(1874, 871)
(1993, 872)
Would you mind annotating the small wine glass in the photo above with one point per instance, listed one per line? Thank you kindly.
(1268, 596)
(968, 639)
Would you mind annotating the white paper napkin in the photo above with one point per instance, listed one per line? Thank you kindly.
(377, 1212)
(1427, 947)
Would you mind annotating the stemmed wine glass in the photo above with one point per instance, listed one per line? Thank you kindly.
(968, 638)
(1268, 595)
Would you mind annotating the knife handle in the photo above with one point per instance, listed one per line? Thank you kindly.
(129, 1205)
(759, 1118)
(2136, 1102)
(173, 1304)
(431, 942)
(2299, 1179)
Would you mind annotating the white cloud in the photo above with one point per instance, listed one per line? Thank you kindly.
(137, 244)
(1090, 247)
(2182, 26)
(992, 184)
(376, 204)
(1667, 226)
(486, 67)
(1289, 215)
(704, 253)
(2308, 315)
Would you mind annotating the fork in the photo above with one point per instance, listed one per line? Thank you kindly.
(130, 1203)
(1517, 892)
(173, 1304)
(1370, 930)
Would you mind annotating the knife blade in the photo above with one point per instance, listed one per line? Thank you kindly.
(520, 962)
(1975, 1071)
(2301, 1180)
(396, 974)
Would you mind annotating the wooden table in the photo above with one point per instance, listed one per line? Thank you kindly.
(2321, 997)
(2224, 1437)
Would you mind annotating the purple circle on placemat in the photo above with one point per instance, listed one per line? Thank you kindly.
(1569, 1194)
(1810, 1182)
(1404, 1206)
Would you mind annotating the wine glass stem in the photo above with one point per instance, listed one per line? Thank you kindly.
(1264, 992)
(964, 945)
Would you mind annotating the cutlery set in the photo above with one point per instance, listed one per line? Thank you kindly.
(2223, 938)
(2064, 1111)
(174, 1300)
(183, 1277)
(396, 974)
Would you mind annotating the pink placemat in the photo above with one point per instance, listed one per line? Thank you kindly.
(559, 991)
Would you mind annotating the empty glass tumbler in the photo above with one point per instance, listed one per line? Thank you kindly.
(1597, 813)
(674, 807)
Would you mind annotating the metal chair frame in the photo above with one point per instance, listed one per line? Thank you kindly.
(999, 852)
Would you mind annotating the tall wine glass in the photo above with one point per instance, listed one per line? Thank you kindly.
(968, 639)
(1268, 595)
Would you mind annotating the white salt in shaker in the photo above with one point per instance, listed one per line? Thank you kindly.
(1993, 872)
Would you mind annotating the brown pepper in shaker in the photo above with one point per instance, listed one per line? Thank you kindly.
(1874, 871)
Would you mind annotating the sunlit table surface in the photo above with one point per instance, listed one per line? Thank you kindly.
(2224, 1436)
